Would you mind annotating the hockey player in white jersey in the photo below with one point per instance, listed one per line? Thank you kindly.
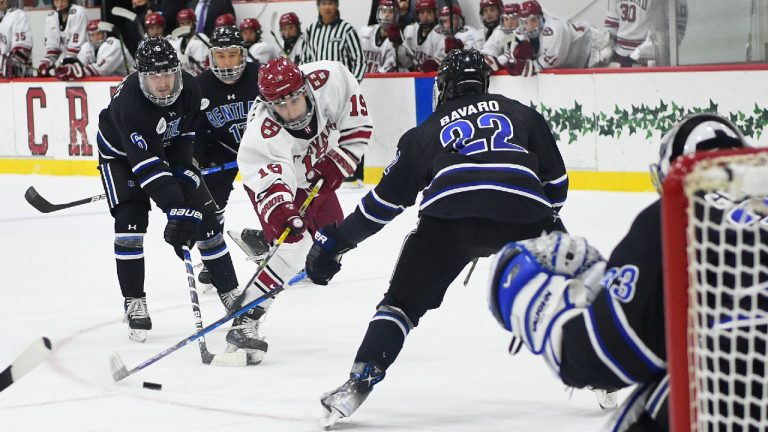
(457, 35)
(191, 47)
(419, 38)
(293, 38)
(102, 55)
(64, 35)
(258, 49)
(490, 15)
(378, 48)
(639, 30)
(15, 40)
(311, 123)
(499, 47)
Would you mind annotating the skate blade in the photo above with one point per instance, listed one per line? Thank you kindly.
(139, 336)
(328, 421)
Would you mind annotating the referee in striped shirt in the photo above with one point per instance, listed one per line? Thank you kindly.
(331, 38)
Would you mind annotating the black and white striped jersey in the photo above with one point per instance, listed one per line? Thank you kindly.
(337, 41)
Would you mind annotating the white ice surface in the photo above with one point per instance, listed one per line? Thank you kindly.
(58, 280)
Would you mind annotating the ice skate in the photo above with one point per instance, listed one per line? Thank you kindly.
(205, 281)
(608, 400)
(252, 242)
(244, 333)
(345, 400)
(137, 317)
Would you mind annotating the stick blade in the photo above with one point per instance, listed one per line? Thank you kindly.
(123, 12)
(37, 201)
(119, 371)
(30, 358)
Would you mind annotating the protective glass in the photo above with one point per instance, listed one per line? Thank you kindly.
(162, 88)
(231, 73)
(510, 23)
(295, 110)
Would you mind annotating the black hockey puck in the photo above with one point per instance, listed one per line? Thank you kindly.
(152, 386)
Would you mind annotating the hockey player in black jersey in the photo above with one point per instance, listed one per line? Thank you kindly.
(489, 170)
(600, 324)
(146, 141)
(229, 89)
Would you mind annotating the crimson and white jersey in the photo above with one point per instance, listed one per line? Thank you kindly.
(269, 153)
(111, 59)
(263, 52)
(500, 45)
(192, 52)
(563, 44)
(415, 49)
(630, 22)
(294, 54)
(480, 37)
(437, 45)
(61, 44)
(378, 50)
(14, 31)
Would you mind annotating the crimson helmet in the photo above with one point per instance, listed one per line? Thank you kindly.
(445, 12)
(186, 15)
(511, 9)
(530, 7)
(154, 19)
(289, 18)
(387, 4)
(225, 20)
(280, 83)
(485, 3)
(250, 24)
(425, 5)
(93, 25)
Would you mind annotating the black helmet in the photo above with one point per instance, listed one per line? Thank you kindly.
(226, 37)
(461, 72)
(156, 59)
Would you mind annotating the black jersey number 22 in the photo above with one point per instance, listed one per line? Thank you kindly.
(460, 135)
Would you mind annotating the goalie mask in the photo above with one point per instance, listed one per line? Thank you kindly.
(286, 94)
(228, 54)
(159, 71)
(694, 133)
(461, 72)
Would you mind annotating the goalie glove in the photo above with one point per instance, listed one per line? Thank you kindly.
(538, 284)
(645, 51)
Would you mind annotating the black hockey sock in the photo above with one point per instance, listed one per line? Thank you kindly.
(385, 337)
(129, 256)
(217, 260)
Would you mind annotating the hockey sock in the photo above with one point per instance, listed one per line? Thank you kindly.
(129, 255)
(217, 260)
(385, 336)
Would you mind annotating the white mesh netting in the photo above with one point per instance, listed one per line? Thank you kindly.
(728, 293)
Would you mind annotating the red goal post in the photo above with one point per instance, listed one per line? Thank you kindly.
(707, 377)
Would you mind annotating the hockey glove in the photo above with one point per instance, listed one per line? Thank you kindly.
(394, 36)
(181, 229)
(333, 168)
(44, 68)
(323, 260)
(71, 71)
(277, 212)
(451, 43)
(492, 63)
(429, 65)
(538, 284)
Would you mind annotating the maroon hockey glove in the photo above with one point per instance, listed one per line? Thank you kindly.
(394, 36)
(71, 71)
(183, 224)
(20, 55)
(277, 212)
(515, 67)
(44, 68)
(333, 168)
(451, 43)
(523, 51)
(492, 63)
(429, 65)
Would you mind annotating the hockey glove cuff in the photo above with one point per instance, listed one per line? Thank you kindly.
(323, 260)
(277, 212)
(182, 227)
(333, 168)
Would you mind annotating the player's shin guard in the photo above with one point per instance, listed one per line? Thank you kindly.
(129, 255)
(217, 260)
(385, 336)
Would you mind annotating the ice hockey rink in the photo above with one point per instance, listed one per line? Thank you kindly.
(454, 374)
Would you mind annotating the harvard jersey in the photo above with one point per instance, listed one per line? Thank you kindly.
(263, 52)
(192, 52)
(417, 48)
(269, 153)
(224, 113)
(378, 50)
(436, 48)
(500, 45)
(630, 21)
(563, 44)
(110, 59)
(481, 36)
(61, 43)
(477, 156)
(294, 53)
(14, 31)
(158, 143)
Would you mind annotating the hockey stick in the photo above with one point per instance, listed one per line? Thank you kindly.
(42, 205)
(120, 371)
(471, 269)
(130, 16)
(25, 362)
(274, 36)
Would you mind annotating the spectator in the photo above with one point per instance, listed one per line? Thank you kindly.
(208, 10)
(64, 35)
(639, 31)
(502, 42)
(416, 53)
(102, 55)
(15, 41)
(293, 38)
(258, 50)
(379, 41)
(191, 47)
(331, 38)
(457, 35)
(490, 15)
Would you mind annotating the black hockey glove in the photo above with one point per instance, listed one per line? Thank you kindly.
(182, 227)
(323, 260)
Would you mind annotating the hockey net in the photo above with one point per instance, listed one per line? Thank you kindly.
(715, 236)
